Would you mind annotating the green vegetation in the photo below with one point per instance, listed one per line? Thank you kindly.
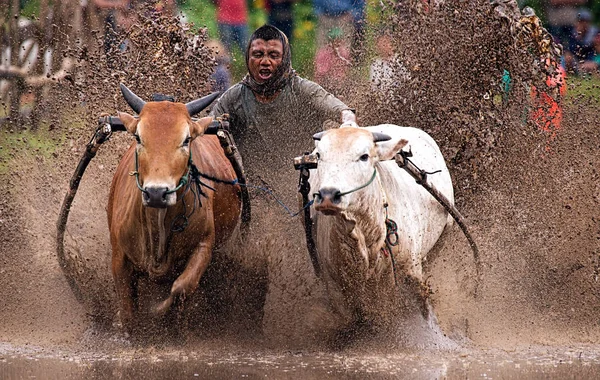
(583, 87)
(202, 14)
(39, 143)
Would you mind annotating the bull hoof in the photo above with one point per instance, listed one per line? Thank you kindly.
(162, 308)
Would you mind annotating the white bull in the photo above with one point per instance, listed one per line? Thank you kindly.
(354, 179)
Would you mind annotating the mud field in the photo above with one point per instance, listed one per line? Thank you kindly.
(530, 195)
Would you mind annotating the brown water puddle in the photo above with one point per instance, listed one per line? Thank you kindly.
(540, 363)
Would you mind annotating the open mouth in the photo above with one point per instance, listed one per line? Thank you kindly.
(265, 74)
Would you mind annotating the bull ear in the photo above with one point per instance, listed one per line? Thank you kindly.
(387, 151)
(129, 122)
(318, 136)
(377, 137)
(198, 127)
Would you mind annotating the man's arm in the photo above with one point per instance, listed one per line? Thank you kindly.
(222, 105)
(231, 103)
(349, 117)
(325, 105)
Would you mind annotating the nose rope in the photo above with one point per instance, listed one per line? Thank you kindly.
(263, 189)
(353, 190)
(186, 179)
(136, 173)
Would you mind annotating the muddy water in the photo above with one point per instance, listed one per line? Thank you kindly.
(533, 363)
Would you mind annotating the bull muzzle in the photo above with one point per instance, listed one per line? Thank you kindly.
(157, 197)
(328, 200)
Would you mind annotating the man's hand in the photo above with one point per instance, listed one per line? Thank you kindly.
(348, 119)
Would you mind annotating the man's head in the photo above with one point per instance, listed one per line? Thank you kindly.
(264, 58)
(268, 59)
(584, 19)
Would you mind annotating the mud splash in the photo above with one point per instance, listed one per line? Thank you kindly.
(531, 202)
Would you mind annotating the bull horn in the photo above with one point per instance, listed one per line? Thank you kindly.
(196, 106)
(377, 137)
(135, 102)
(318, 136)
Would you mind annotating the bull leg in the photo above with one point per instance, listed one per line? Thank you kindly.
(123, 275)
(188, 281)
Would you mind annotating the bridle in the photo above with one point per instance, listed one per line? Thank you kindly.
(183, 181)
(315, 195)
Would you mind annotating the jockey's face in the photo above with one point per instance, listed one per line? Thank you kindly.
(264, 59)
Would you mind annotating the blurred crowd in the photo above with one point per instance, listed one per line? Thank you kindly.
(339, 29)
(573, 25)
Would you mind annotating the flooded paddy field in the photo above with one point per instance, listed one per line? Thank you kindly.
(532, 363)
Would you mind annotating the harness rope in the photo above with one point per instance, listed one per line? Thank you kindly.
(391, 233)
(192, 182)
(355, 189)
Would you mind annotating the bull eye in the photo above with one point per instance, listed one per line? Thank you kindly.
(318, 155)
(137, 138)
(364, 157)
(186, 142)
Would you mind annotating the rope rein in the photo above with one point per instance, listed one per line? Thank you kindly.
(192, 181)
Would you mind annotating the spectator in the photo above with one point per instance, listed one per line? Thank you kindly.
(592, 65)
(281, 16)
(386, 68)
(580, 46)
(232, 20)
(221, 76)
(348, 15)
(110, 10)
(332, 60)
(562, 15)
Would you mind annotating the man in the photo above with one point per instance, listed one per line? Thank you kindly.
(232, 21)
(347, 15)
(581, 41)
(273, 112)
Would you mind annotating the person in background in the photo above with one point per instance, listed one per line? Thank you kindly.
(110, 9)
(347, 15)
(232, 21)
(561, 16)
(281, 16)
(221, 76)
(592, 64)
(580, 46)
(332, 60)
(386, 68)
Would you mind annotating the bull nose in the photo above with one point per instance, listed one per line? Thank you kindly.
(155, 197)
(329, 195)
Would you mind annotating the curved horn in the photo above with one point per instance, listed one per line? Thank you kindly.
(377, 137)
(135, 102)
(196, 106)
(317, 136)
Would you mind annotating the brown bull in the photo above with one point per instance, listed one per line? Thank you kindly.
(152, 196)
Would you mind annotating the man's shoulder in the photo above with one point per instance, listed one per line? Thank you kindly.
(232, 95)
(304, 85)
(234, 90)
(230, 101)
